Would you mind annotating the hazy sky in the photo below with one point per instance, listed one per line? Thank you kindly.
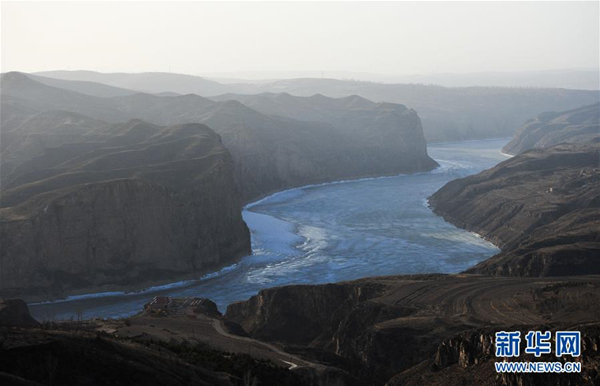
(401, 38)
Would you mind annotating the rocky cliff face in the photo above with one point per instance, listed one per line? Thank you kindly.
(320, 139)
(542, 208)
(314, 308)
(581, 125)
(148, 203)
(337, 324)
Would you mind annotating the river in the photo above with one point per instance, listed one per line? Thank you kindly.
(327, 233)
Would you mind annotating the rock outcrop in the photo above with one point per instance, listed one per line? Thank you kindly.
(15, 313)
(343, 138)
(140, 204)
(542, 208)
(581, 125)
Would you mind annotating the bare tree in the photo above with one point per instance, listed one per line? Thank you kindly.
(249, 380)
(51, 367)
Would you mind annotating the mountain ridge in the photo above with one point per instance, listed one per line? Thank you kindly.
(579, 125)
(271, 152)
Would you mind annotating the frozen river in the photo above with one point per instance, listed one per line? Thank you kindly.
(331, 232)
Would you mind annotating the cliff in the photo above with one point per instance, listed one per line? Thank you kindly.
(15, 313)
(580, 125)
(142, 204)
(541, 208)
(315, 139)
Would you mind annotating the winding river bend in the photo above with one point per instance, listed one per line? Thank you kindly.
(330, 232)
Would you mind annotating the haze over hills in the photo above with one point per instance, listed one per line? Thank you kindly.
(41, 131)
(448, 114)
(580, 125)
(26, 95)
(149, 82)
(336, 111)
(451, 114)
(583, 79)
(572, 79)
(84, 87)
(55, 138)
(271, 152)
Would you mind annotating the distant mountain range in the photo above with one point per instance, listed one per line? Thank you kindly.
(358, 138)
(447, 113)
(578, 79)
(150, 82)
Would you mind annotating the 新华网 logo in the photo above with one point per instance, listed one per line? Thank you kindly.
(538, 343)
